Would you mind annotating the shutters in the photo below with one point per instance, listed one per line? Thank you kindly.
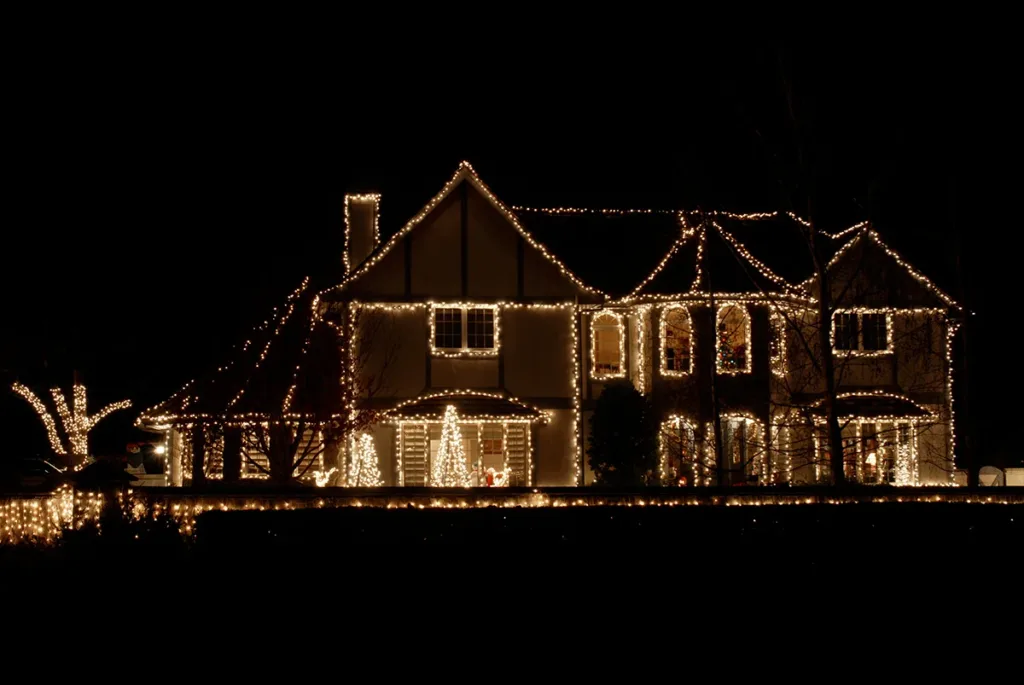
(517, 449)
(414, 454)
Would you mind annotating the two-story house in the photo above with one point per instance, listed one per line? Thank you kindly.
(466, 305)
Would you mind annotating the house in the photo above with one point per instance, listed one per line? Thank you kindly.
(469, 305)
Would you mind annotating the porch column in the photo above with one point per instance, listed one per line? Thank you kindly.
(232, 454)
(332, 458)
(174, 458)
(198, 455)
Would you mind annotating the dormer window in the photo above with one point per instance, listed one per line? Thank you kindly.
(862, 332)
(606, 346)
(458, 331)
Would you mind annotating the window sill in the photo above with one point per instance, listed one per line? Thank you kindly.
(861, 353)
(471, 353)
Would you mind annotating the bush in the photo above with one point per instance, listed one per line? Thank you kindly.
(623, 448)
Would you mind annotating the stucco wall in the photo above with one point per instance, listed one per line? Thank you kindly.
(536, 344)
(555, 461)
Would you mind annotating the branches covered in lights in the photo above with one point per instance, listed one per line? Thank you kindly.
(75, 421)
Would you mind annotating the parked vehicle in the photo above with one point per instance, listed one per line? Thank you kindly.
(30, 474)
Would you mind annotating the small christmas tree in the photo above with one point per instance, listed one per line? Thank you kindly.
(364, 471)
(449, 467)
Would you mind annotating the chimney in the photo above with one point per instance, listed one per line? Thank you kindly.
(362, 232)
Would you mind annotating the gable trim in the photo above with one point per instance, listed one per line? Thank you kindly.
(465, 172)
(872, 235)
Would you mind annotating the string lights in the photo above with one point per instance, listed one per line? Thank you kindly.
(465, 172)
(678, 318)
(371, 198)
(364, 471)
(75, 421)
(448, 468)
(607, 321)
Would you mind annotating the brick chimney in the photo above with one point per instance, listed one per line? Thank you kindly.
(361, 230)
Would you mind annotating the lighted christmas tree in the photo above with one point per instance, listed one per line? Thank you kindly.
(364, 472)
(448, 469)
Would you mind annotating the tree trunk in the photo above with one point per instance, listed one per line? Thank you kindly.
(834, 435)
(280, 456)
(232, 455)
(332, 458)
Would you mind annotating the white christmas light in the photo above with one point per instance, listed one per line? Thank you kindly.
(364, 471)
(448, 469)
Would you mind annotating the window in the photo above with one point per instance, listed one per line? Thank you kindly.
(469, 331)
(864, 333)
(680, 454)
(606, 345)
(491, 452)
(675, 341)
(733, 339)
(742, 450)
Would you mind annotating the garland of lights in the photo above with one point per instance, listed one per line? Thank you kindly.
(76, 421)
(448, 468)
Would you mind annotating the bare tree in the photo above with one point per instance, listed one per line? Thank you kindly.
(320, 412)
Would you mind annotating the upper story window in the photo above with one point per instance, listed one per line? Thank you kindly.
(733, 326)
(676, 341)
(464, 331)
(606, 345)
(862, 332)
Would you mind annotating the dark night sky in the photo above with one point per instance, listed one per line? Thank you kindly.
(168, 192)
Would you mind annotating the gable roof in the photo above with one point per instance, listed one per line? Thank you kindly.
(711, 255)
(608, 248)
(863, 232)
(466, 173)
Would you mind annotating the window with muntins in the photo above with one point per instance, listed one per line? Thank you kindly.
(861, 332)
(471, 331)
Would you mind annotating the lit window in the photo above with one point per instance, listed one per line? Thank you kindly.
(861, 332)
(742, 449)
(606, 345)
(733, 339)
(676, 341)
(464, 331)
(680, 454)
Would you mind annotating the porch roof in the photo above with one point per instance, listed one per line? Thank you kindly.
(470, 406)
(875, 406)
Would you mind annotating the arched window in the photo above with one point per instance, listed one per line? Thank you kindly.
(676, 341)
(681, 463)
(606, 345)
(733, 325)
